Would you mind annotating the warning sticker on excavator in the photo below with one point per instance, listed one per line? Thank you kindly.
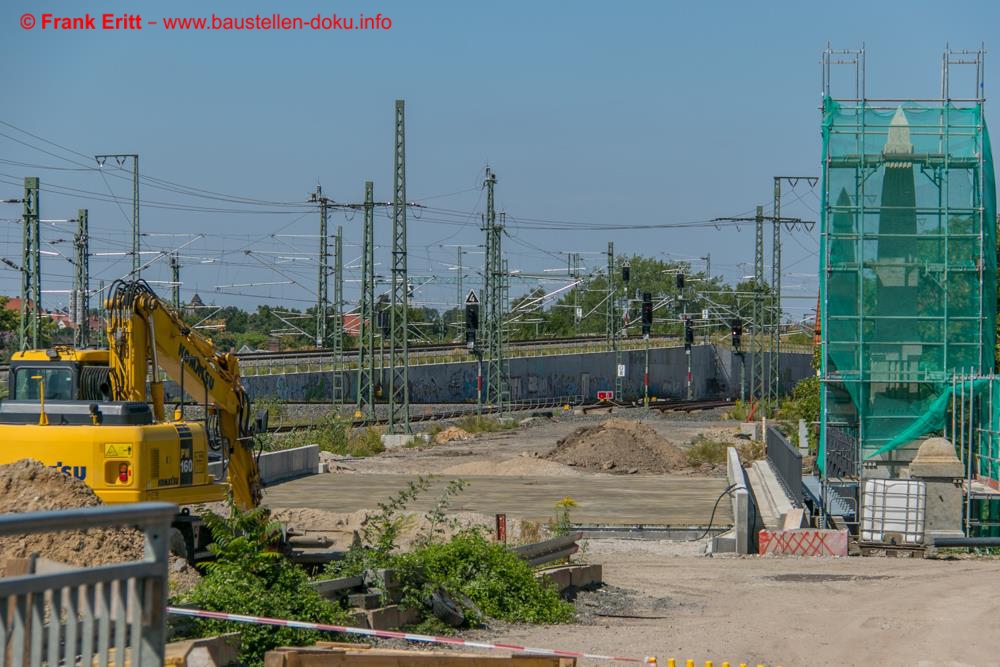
(116, 451)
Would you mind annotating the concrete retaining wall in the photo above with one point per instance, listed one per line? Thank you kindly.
(715, 372)
(278, 466)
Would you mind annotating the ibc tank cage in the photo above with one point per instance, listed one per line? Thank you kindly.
(907, 264)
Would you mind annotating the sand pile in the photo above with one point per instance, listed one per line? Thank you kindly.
(619, 446)
(451, 433)
(29, 486)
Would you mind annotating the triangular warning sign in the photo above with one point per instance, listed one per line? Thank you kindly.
(472, 299)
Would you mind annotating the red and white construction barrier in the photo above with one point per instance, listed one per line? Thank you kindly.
(408, 636)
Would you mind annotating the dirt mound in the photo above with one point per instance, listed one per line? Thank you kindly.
(619, 446)
(29, 486)
(451, 433)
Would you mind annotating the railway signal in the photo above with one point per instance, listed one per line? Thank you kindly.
(471, 319)
(647, 313)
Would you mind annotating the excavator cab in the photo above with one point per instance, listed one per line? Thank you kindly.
(67, 375)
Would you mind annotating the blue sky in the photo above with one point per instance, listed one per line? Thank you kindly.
(606, 113)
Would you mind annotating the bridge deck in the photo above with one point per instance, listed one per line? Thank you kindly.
(652, 500)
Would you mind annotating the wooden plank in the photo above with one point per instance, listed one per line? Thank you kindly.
(346, 655)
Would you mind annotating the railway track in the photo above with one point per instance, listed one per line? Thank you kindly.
(470, 410)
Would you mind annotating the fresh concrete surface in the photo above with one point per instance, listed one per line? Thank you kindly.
(612, 499)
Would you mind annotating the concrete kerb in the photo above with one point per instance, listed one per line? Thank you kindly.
(280, 466)
(736, 540)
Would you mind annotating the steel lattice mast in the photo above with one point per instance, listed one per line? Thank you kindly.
(758, 372)
(337, 347)
(366, 329)
(493, 299)
(31, 291)
(399, 391)
(81, 286)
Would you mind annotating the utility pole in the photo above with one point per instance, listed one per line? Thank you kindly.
(322, 302)
(775, 346)
(366, 331)
(573, 268)
(31, 290)
(458, 293)
(609, 301)
(619, 325)
(338, 317)
(81, 286)
(493, 299)
(762, 335)
(708, 265)
(758, 377)
(175, 279)
(399, 352)
(120, 159)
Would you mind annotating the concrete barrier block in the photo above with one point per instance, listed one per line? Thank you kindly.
(409, 616)
(385, 618)
(561, 578)
(803, 542)
(396, 440)
(587, 575)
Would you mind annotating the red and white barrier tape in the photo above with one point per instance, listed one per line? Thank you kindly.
(408, 636)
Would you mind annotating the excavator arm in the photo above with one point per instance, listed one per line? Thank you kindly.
(142, 334)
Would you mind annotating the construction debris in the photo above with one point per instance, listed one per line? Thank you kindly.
(450, 434)
(29, 486)
(619, 446)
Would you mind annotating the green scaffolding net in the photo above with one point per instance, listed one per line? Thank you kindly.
(907, 268)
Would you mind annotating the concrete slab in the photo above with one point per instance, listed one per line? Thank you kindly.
(653, 500)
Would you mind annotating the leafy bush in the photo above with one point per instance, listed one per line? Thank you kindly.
(480, 424)
(333, 433)
(248, 576)
(803, 404)
(467, 565)
(501, 584)
(708, 451)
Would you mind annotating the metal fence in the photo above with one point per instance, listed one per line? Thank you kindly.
(786, 462)
(114, 613)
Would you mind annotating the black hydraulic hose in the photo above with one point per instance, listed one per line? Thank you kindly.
(711, 519)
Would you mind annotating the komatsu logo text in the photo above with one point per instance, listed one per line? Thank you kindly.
(195, 366)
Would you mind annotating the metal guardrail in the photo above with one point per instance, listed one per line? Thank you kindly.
(786, 461)
(108, 611)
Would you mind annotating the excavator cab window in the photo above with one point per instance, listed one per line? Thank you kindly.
(59, 383)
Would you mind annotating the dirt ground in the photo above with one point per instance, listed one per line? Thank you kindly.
(665, 599)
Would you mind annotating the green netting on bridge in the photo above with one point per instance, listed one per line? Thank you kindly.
(907, 266)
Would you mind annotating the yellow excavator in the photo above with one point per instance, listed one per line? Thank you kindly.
(92, 414)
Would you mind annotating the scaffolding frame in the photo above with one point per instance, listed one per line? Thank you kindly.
(850, 395)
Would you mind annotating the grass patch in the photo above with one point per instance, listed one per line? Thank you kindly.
(480, 424)
(335, 434)
(704, 450)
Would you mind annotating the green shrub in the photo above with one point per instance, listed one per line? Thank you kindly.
(333, 433)
(502, 585)
(248, 576)
(704, 451)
